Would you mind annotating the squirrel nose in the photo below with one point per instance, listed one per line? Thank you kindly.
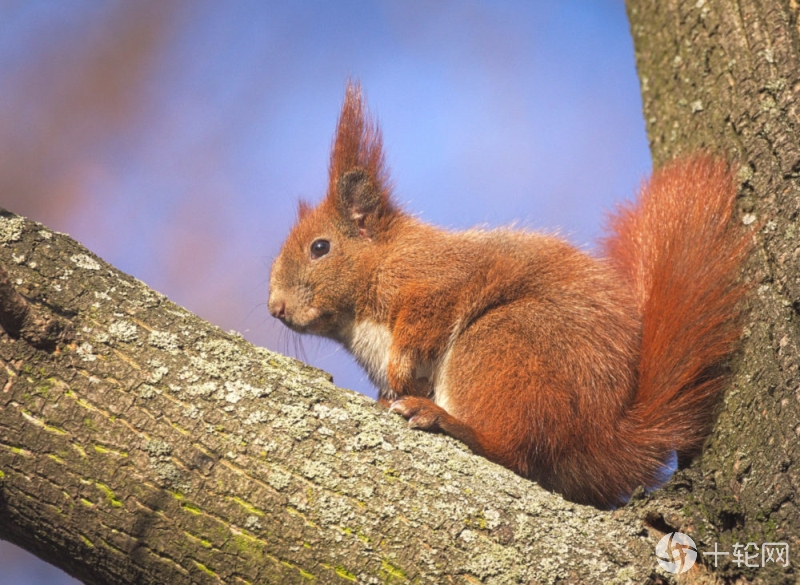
(278, 309)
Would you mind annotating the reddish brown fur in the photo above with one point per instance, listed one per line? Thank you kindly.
(678, 250)
(358, 143)
(579, 373)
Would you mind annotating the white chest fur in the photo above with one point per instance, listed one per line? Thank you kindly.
(369, 343)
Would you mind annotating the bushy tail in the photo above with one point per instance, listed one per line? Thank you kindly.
(683, 256)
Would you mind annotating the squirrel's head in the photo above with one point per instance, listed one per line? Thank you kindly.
(325, 263)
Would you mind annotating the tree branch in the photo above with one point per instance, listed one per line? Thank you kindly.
(154, 448)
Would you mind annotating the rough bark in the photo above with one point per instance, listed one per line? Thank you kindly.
(139, 444)
(725, 76)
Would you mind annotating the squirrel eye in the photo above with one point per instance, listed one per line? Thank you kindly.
(319, 248)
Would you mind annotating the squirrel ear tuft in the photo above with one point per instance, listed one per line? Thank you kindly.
(358, 181)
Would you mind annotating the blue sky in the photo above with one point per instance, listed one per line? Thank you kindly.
(174, 139)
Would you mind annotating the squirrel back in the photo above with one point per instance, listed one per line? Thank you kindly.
(585, 374)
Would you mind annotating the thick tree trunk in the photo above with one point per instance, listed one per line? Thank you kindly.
(725, 76)
(139, 444)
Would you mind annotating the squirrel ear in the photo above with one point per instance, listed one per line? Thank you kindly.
(357, 197)
(358, 181)
(356, 193)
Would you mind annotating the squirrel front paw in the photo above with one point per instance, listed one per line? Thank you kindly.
(422, 413)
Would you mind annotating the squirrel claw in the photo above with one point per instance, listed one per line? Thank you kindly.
(421, 413)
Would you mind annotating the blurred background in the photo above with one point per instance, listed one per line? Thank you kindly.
(174, 138)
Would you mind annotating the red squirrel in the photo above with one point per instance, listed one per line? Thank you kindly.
(583, 373)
